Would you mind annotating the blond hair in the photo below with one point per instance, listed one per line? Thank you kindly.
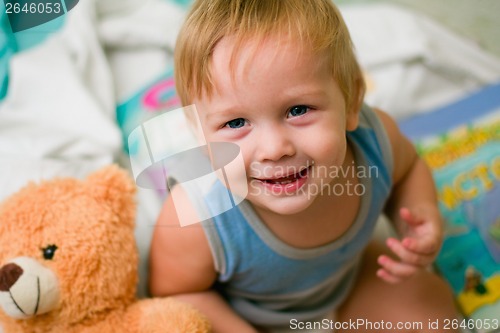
(316, 22)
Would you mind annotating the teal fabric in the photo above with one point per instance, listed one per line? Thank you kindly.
(184, 3)
(10, 42)
(8, 47)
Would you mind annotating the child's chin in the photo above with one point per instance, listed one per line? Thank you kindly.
(285, 205)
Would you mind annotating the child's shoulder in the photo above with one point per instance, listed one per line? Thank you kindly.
(402, 150)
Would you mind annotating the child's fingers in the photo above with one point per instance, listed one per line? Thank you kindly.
(425, 245)
(396, 268)
(425, 235)
(410, 217)
(388, 277)
(407, 255)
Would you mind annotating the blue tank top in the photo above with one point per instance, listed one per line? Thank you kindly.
(269, 282)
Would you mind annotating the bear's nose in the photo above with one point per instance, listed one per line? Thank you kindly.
(8, 276)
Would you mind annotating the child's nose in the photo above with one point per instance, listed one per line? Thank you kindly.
(274, 144)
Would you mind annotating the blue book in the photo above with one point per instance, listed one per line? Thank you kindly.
(461, 144)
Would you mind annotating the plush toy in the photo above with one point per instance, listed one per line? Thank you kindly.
(68, 262)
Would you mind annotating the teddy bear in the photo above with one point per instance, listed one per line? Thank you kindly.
(68, 261)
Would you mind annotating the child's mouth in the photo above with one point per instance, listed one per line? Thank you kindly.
(287, 184)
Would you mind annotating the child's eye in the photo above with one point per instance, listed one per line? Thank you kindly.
(236, 123)
(297, 110)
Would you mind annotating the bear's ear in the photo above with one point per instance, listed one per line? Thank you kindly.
(114, 186)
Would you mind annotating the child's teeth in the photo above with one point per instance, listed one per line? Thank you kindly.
(290, 179)
(284, 182)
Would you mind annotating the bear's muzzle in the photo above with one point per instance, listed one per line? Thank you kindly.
(27, 288)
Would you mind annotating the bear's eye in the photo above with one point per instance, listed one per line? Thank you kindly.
(49, 251)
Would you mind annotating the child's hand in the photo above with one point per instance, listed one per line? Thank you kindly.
(420, 244)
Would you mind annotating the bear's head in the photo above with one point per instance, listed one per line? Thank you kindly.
(67, 248)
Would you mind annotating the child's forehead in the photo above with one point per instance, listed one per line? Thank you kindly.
(238, 55)
(285, 64)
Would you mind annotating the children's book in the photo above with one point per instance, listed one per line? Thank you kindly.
(461, 144)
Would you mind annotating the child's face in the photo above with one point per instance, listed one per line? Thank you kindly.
(287, 114)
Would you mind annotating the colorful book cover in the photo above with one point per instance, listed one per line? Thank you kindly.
(461, 144)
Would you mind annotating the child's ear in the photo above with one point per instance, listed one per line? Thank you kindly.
(352, 119)
(352, 116)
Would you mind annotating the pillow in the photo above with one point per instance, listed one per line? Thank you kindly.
(461, 144)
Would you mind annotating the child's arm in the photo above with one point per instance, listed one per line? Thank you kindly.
(181, 265)
(412, 207)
